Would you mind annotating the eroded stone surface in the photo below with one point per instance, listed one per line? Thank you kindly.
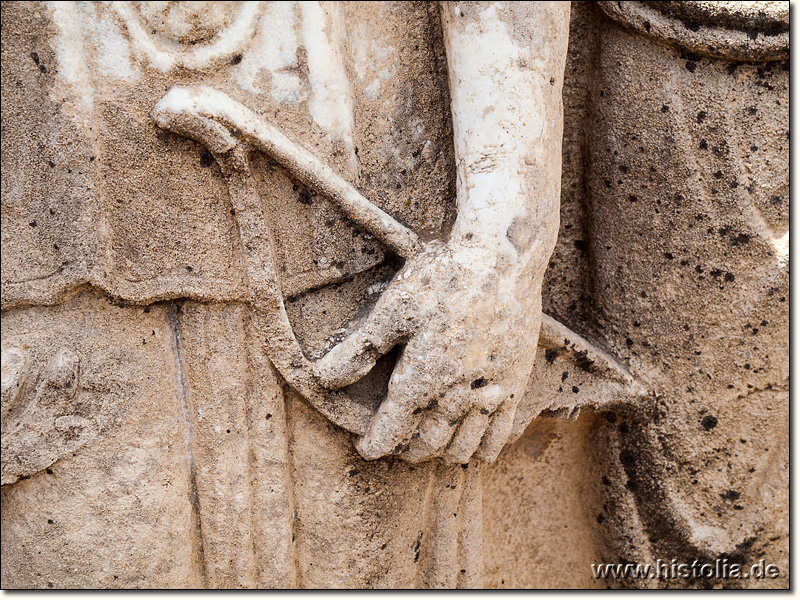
(199, 328)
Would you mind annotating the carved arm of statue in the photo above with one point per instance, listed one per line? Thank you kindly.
(469, 309)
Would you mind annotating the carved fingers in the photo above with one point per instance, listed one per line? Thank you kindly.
(468, 437)
(410, 393)
(432, 409)
(498, 431)
(451, 393)
(392, 320)
(465, 422)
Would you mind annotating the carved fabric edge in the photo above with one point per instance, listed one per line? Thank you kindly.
(703, 32)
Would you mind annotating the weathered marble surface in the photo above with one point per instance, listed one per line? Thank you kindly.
(151, 438)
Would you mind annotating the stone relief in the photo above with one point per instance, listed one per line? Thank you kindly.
(303, 294)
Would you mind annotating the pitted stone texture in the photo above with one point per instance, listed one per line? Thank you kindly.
(148, 441)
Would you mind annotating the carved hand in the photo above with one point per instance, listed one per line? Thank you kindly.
(470, 332)
(469, 310)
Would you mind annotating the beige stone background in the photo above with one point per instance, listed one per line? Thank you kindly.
(151, 443)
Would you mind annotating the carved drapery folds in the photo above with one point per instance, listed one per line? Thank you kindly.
(338, 294)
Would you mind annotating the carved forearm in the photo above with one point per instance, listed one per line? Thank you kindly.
(506, 66)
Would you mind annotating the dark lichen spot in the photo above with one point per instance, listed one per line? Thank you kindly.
(739, 239)
(701, 116)
(584, 362)
(237, 58)
(703, 144)
(32, 224)
(632, 198)
(304, 197)
(575, 389)
(551, 354)
(731, 495)
(664, 108)
(564, 375)
(35, 57)
(627, 458)
(669, 255)
(709, 422)
(775, 200)
(623, 168)
(478, 383)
